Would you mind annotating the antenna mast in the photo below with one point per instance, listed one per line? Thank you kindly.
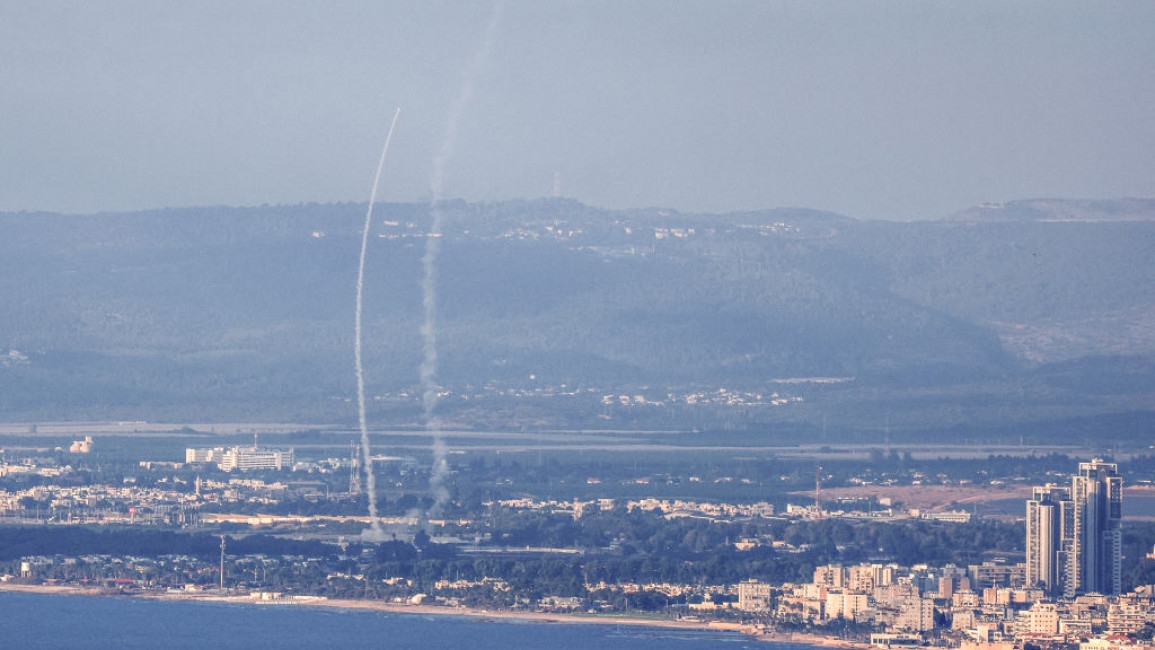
(818, 493)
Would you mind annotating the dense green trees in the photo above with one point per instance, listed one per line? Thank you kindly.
(644, 548)
(74, 541)
(1138, 542)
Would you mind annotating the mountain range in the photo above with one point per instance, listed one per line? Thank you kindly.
(1034, 316)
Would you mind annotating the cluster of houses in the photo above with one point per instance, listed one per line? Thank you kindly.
(985, 604)
(170, 501)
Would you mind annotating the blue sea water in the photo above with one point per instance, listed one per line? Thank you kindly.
(37, 621)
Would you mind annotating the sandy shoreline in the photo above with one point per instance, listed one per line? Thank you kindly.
(438, 610)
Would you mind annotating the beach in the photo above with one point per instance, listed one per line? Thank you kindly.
(439, 610)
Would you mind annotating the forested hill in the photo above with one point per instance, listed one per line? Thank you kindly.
(1035, 309)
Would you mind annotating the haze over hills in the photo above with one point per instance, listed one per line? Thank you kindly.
(1016, 316)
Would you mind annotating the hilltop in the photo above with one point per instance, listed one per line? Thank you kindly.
(1034, 312)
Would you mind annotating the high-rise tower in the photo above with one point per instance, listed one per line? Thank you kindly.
(1049, 531)
(1074, 537)
(1097, 491)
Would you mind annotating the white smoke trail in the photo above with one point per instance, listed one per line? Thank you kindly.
(374, 533)
(429, 266)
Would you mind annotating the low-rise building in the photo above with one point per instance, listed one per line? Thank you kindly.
(242, 458)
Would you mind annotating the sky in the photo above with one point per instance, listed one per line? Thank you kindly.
(878, 110)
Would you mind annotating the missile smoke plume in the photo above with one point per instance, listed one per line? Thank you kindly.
(374, 533)
(429, 267)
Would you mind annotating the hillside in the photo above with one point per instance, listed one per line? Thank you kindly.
(1034, 312)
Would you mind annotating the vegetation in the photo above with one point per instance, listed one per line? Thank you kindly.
(74, 541)
(240, 312)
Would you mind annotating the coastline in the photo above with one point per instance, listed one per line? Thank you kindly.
(439, 610)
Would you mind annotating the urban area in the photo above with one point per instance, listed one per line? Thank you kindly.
(1039, 555)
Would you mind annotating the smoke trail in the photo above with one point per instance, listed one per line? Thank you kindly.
(429, 266)
(374, 533)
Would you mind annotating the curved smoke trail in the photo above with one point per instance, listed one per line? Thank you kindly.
(429, 267)
(374, 532)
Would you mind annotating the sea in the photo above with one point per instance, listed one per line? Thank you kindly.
(34, 621)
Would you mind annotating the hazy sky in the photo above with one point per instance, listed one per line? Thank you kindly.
(899, 110)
